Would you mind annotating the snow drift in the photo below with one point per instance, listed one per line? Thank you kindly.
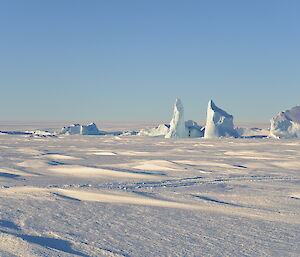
(218, 123)
(286, 124)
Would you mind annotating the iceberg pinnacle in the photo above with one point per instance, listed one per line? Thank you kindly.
(178, 128)
(218, 123)
(177, 124)
(286, 124)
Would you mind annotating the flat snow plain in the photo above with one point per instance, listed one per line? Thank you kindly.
(144, 196)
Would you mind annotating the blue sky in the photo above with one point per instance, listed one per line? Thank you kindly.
(129, 60)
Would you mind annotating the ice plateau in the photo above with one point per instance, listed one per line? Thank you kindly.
(218, 123)
(286, 124)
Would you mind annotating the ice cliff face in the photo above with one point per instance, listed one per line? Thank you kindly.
(71, 130)
(74, 129)
(286, 124)
(218, 123)
(177, 124)
(90, 129)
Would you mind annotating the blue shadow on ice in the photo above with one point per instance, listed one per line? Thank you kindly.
(8, 175)
(15, 133)
(48, 242)
(67, 197)
(216, 201)
(9, 224)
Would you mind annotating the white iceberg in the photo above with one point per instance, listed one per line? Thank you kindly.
(177, 124)
(90, 129)
(194, 130)
(218, 123)
(252, 132)
(178, 128)
(286, 124)
(160, 130)
(71, 130)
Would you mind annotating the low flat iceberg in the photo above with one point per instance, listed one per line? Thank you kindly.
(158, 131)
(77, 129)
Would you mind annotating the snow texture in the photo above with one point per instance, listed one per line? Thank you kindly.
(218, 123)
(107, 195)
(286, 124)
(177, 124)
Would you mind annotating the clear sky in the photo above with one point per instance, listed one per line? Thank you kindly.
(129, 60)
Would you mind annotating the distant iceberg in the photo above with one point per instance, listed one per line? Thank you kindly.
(90, 129)
(286, 124)
(194, 130)
(158, 131)
(252, 132)
(218, 123)
(178, 128)
(177, 124)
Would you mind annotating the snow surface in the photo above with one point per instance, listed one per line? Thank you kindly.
(218, 123)
(286, 124)
(107, 195)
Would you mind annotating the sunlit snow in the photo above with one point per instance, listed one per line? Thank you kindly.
(126, 195)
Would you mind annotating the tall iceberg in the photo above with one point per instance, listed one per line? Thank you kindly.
(177, 124)
(286, 124)
(178, 128)
(218, 123)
